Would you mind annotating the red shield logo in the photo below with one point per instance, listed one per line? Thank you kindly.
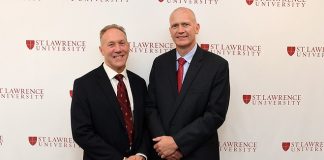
(285, 145)
(32, 140)
(205, 46)
(246, 98)
(291, 50)
(249, 2)
(30, 44)
(71, 93)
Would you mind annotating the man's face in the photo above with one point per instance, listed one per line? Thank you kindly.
(115, 49)
(183, 29)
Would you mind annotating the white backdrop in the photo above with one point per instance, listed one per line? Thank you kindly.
(275, 49)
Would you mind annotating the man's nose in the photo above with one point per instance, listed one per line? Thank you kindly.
(181, 29)
(117, 48)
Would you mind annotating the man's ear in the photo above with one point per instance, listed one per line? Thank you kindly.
(197, 28)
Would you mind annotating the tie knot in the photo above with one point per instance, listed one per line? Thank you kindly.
(119, 77)
(181, 61)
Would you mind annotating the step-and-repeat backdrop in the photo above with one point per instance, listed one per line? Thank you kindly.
(275, 49)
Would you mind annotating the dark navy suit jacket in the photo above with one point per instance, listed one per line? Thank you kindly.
(96, 118)
(193, 116)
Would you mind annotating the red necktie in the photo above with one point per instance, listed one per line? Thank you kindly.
(125, 106)
(181, 62)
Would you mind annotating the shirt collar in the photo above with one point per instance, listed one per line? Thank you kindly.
(189, 55)
(111, 73)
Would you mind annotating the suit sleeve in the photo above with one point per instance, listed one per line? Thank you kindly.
(82, 129)
(143, 149)
(144, 145)
(204, 127)
(152, 115)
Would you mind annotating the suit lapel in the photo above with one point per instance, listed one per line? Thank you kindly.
(172, 72)
(135, 94)
(191, 74)
(108, 92)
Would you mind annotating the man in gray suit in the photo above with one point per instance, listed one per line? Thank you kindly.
(189, 90)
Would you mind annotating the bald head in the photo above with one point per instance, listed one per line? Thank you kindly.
(183, 10)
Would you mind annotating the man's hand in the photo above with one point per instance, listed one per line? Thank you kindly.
(165, 146)
(135, 157)
(175, 156)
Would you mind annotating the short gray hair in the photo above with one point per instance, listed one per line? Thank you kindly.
(111, 26)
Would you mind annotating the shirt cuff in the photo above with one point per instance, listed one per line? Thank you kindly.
(143, 155)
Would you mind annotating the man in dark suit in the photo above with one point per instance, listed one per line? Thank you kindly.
(107, 111)
(189, 89)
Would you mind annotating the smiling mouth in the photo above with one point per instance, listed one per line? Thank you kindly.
(182, 37)
(119, 56)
